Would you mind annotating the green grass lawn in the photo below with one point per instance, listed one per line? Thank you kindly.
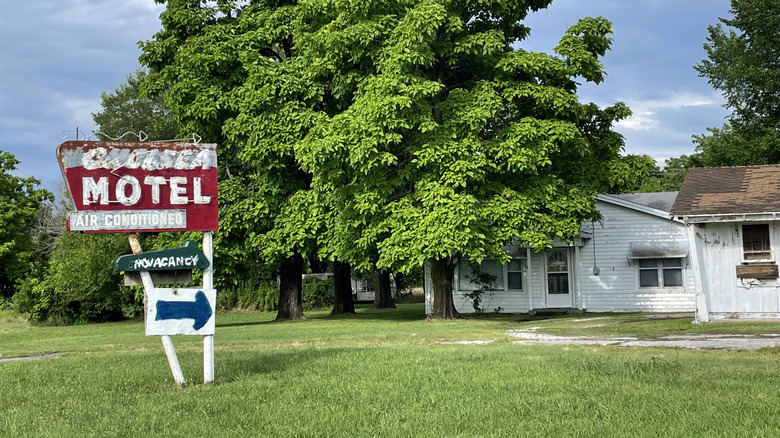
(384, 373)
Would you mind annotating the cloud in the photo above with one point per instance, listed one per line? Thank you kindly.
(146, 4)
(647, 113)
(78, 109)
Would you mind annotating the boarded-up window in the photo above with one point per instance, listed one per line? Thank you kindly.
(755, 242)
(660, 272)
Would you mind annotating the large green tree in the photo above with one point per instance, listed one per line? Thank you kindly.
(385, 133)
(128, 110)
(20, 206)
(743, 62)
(455, 141)
(670, 178)
(228, 71)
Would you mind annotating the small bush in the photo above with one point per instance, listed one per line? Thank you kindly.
(318, 293)
(410, 297)
(80, 284)
(263, 296)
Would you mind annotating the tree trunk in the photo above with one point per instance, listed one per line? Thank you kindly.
(383, 296)
(342, 278)
(400, 282)
(442, 271)
(290, 303)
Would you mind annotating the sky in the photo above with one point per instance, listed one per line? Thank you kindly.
(61, 54)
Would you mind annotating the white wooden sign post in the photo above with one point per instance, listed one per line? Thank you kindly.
(182, 311)
(153, 186)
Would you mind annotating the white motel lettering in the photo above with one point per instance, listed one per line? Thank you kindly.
(96, 192)
(165, 262)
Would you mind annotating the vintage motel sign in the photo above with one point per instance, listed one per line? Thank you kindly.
(127, 187)
(140, 186)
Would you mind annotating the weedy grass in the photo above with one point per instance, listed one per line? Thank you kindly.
(378, 373)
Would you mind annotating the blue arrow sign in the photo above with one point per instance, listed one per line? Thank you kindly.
(199, 310)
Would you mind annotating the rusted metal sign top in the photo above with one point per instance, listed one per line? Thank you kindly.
(140, 186)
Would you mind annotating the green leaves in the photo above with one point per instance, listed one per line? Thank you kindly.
(581, 46)
(743, 63)
(20, 203)
(384, 133)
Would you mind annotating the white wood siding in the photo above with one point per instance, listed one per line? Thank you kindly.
(720, 246)
(616, 288)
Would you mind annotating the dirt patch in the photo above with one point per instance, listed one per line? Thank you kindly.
(29, 358)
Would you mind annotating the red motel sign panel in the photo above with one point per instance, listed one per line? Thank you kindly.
(140, 186)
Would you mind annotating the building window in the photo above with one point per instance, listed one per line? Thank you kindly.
(514, 274)
(660, 272)
(502, 277)
(755, 242)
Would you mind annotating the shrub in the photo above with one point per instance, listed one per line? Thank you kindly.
(80, 283)
(318, 293)
(410, 297)
(263, 296)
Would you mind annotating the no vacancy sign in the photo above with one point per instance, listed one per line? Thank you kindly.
(140, 186)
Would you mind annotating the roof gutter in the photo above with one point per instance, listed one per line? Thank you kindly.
(737, 217)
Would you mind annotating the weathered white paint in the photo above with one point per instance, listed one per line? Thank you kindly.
(530, 296)
(577, 283)
(96, 192)
(124, 219)
(616, 288)
(702, 310)
(727, 296)
(192, 156)
(173, 361)
(181, 326)
(428, 287)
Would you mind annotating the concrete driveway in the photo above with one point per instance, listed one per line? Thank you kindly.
(529, 336)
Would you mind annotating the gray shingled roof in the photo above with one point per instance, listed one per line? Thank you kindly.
(729, 190)
(658, 200)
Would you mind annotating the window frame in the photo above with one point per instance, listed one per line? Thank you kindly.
(747, 255)
(504, 272)
(660, 270)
